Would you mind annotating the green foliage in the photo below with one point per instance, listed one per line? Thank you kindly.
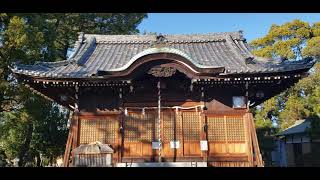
(302, 100)
(292, 41)
(287, 41)
(263, 122)
(48, 131)
(315, 127)
(30, 126)
(313, 47)
(12, 130)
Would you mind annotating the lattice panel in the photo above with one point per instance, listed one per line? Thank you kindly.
(216, 129)
(103, 130)
(149, 127)
(191, 126)
(139, 127)
(171, 126)
(235, 129)
(131, 127)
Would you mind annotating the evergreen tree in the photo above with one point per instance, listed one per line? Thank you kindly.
(30, 126)
(291, 41)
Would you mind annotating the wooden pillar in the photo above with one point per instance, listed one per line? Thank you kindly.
(73, 139)
(66, 157)
(249, 139)
(182, 132)
(120, 146)
(75, 129)
(204, 134)
(253, 140)
(76, 119)
(203, 125)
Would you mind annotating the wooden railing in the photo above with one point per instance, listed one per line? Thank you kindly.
(257, 161)
(72, 141)
(67, 153)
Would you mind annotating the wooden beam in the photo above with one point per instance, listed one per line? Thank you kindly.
(72, 141)
(204, 136)
(121, 131)
(258, 157)
(75, 128)
(67, 151)
(249, 139)
(234, 112)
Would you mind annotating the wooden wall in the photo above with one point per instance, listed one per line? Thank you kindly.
(103, 128)
(226, 135)
(225, 128)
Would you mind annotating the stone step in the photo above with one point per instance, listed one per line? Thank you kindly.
(164, 164)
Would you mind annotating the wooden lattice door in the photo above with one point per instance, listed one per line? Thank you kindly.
(102, 129)
(140, 130)
(191, 133)
(226, 135)
(172, 140)
(180, 134)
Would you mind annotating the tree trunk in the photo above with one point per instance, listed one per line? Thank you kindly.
(65, 50)
(26, 145)
(38, 159)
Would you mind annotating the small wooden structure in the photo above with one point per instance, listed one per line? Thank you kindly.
(297, 147)
(93, 155)
(166, 98)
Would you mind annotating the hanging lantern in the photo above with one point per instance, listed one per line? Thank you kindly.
(202, 92)
(120, 93)
(126, 112)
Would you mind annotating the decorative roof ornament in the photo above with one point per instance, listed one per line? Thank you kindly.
(250, 60)
(77, 47)
(241, 33)
(239, 36)
(161, 41)
(161, 38)
(81, 37)
(162, 71)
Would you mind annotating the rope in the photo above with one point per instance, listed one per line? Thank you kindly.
(159, 118)
(167, 107)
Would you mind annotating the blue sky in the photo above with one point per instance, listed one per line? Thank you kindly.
(254, 25)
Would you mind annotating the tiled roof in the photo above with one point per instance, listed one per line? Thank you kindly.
(299, 126)
(95, 53)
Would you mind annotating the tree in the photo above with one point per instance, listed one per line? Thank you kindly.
(287, 41)
(29, 125)
(3, 157)
(290, 42)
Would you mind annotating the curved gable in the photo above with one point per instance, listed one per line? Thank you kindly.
(151, 51)
(165, 56)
